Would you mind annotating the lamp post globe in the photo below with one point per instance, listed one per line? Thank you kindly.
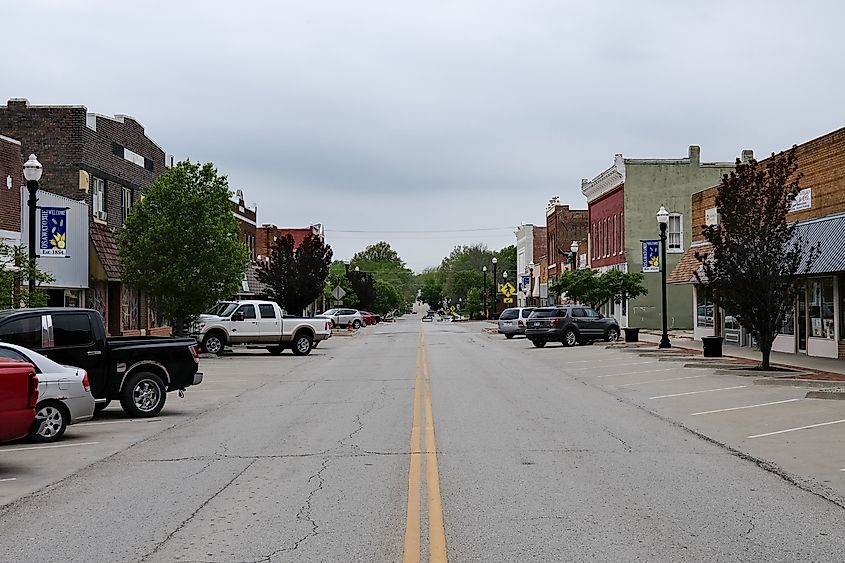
(32, 171)
(663, 221)
(505, 274)
(573, 253)
(484, 291)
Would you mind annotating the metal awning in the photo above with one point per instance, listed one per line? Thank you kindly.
(829, 234)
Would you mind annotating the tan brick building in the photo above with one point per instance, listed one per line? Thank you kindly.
(817, 325)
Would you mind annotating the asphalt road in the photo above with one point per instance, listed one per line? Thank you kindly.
(435, 441)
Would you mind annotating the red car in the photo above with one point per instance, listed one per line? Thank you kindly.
(369, 318)
(18, 397)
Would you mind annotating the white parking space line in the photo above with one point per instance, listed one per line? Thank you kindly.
(796, 429)
(118, 421)
(635, 372)
(15, 479)
(615, 365)
(662, 380)
(746, 407)
(616, 360)
(47, 447)
(697, 392)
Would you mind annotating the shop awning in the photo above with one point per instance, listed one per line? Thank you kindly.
(685, 271)
(106, 249)
(829, 234)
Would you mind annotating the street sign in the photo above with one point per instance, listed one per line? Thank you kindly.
(338, 292)
(508, 290)
(507, 300)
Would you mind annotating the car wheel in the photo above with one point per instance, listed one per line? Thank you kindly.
(538, 343)
(213, 343)
(53, 418)
(143, 395)
(100, 407)
(302, 344)
(569, 338)
(356, 324)
(274, 350)
(612, 334)
(509, 336)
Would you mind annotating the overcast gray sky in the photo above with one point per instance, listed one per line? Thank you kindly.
(394, 116)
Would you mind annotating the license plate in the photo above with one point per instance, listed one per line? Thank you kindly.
(535, 323)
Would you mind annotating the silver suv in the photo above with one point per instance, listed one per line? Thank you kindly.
(513, 321)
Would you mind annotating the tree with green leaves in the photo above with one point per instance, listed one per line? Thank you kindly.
(594, 289)
(337, 277)
(295, 277)
(180, 244)
(364, 285)
(387, 298)
(431, 289)
(16, 269)
(384, 264)
(756, 257)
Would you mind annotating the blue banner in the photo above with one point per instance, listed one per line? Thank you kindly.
(651, 255)
(52, 232)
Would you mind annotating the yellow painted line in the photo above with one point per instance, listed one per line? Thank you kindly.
(411, 552)
(436, 528)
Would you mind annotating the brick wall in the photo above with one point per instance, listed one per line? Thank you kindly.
(607, 229)
(11, 166)
(822, 165)
(541, 244)
(563, 225)
(248, 229)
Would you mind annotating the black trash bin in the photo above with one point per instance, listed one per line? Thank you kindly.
(632, 334)
(712, 346)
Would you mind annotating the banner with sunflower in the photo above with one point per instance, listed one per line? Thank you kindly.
(651, 256)
(52, 240)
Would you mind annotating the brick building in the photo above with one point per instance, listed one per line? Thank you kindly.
(108, 163)
(267, 234)
(563, 225)
(623, 201)
(817, 325)
(531, 248)
(11, 178)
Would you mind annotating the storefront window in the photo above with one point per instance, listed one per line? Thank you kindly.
(789, 322)
(704, 313)
(821, 308)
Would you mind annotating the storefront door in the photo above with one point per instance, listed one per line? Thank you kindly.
(801, 320)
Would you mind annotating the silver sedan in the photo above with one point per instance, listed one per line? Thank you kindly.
(64, 396)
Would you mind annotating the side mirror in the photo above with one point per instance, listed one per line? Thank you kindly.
(239, 316)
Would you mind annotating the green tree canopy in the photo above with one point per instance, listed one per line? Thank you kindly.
(295, 278)
(180, 244)
(589, 287)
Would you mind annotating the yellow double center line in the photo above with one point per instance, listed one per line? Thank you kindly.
(436, 530)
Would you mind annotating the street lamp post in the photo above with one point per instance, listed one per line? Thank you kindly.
(484, 293)
(530, 284)
(663, 221)
(495, 293)
(573, 256)
(32, 172)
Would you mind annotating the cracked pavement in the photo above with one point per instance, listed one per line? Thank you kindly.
(286, 459)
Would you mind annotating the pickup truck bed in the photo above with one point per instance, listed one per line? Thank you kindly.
(18, 396)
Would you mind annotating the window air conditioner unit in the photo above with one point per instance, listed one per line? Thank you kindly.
(102, 215)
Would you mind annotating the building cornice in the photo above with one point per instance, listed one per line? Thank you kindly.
(606, 181)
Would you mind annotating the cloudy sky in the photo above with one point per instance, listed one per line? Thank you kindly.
(397, 117)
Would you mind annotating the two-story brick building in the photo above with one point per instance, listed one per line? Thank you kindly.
(817, 324)
(563, 225)
(108, 163)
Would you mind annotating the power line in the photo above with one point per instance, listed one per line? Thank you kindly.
(420, 231)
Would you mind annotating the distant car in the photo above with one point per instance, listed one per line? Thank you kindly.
(369, 318)
(344, 317)
(64, 394)
(569, 324)
(429, 317)
(512, 321)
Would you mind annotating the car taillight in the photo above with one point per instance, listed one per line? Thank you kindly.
(520, 323)
(329, 326)
(32, 395)
(554, 322)
(195, 352)
(85, 384)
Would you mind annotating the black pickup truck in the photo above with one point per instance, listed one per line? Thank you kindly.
(139, 371)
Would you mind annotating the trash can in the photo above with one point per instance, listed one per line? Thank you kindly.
(712, 346)
(632, 334)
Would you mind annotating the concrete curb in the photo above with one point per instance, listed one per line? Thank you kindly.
(720, 367)
(789, 382)
(836, 393)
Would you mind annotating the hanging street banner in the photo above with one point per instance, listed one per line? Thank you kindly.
(52, 231)
(651, 255)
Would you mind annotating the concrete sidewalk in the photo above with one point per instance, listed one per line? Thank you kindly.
(684, 339)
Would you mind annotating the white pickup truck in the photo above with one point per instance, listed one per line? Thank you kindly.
(258, 323)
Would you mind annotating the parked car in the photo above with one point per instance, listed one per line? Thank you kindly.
(258, 323)
(344, 317)
(512, 321)
(137, 370)
(64, 395)
(569, 324)
(369, 318)
(18, 397)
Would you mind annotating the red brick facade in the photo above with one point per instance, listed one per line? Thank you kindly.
(266, 236)
(607, 228)
(11, 178)
(246, 217)
(563, 225)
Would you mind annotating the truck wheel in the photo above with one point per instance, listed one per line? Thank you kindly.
(100, 407)
(509, 336)
(55, 418)
(213, 343)
(143, 395)
(302, 344)
(274, 350)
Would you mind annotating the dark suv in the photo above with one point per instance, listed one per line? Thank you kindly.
(569, 324)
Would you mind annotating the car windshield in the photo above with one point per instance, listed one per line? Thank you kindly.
(223, 309)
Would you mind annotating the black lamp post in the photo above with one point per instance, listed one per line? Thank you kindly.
(484, 293)
(530, 284)
(573, 254)
(663, 221)
(495, 292)
(32, 173)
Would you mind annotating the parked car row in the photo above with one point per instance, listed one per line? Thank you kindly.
(77, 371)
(567, 324)
(342, 318)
